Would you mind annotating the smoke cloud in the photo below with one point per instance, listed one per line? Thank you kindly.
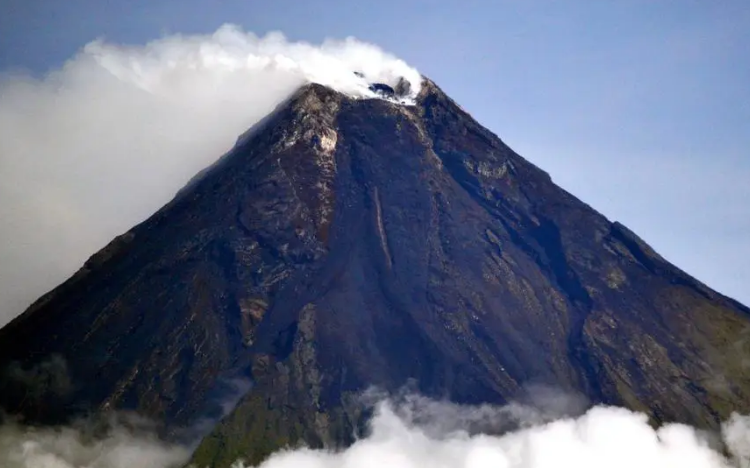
(98, 145)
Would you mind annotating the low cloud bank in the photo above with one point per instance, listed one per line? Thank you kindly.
(603, 436)
(98, 145)
(414, 432)
(126, 442)
(111, 440)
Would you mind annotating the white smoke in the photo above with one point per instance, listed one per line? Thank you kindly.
(100, 144)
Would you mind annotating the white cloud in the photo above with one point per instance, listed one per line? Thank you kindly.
(121, 445)
(412, 433)
(98, 145)
(604, 436)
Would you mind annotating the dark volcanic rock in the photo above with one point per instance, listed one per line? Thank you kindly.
(348, 243)
(382, 89)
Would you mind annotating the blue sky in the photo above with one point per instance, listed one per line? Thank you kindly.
(640, 108)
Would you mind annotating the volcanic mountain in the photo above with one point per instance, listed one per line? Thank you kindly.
(345, 243)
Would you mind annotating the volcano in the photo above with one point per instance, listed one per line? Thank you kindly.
(348, 243)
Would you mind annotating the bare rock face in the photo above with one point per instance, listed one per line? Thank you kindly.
(382, 89)
(345, 243)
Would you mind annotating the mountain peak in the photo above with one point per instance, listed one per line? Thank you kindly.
(350, 241)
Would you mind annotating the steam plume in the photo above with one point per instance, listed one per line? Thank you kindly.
(100, 144)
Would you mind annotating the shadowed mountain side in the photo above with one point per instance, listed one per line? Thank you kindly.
(355, 242)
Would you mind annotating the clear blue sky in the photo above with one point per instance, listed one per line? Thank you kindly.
(639, 107)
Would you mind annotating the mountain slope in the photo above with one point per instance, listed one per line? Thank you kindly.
(346, 243)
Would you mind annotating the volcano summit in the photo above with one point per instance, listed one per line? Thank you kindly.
(348, 242)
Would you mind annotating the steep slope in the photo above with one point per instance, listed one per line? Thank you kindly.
(353, 242)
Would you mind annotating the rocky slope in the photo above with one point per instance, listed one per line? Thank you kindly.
(345, 243)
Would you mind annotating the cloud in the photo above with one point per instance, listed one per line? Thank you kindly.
(603, 436)
(410, 431)
(221, 401)
(50, 375)
(107, 440)
(97, 146)
(120, 442)
(536, 405)
(46, 385)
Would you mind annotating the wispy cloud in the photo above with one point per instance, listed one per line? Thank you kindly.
(124, 441)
